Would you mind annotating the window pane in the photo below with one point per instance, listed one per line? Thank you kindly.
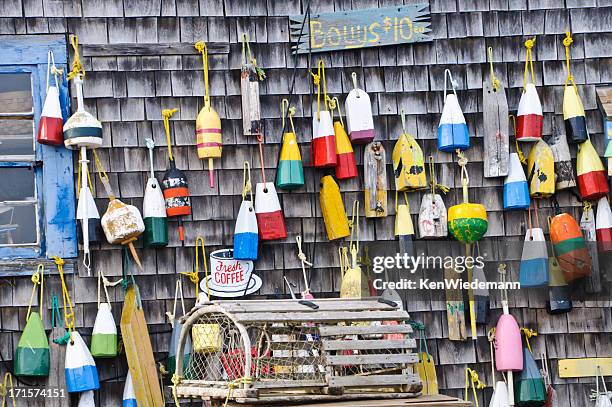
(17, 223)
(16, 184)
(16, 137)
(15, 93)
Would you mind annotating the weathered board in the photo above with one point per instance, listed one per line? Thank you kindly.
(495, 123)
(455, 309)
(175, 48)
(373, 27)
(584, 367)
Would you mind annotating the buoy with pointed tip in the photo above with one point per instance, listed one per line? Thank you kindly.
(570, 247)
(541, 170)
(154, 208)
(564, 169)
(529, 117)
(208, 123)
(573, 110)
(346, 166)
(129, 396)
(32, 353)
(80, 368)
(104, 336)
(603, 225)
(359, 120)
(246, 238)
(408, 162)
(290, 172)
(270, 218)
(452, 130)
(516, 189)
(332, 208)
(592, 182)
(50, 124)
(529, 386)
(123, 224)
(87, 399)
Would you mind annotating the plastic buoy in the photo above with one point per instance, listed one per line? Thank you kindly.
(346, 166)
(573, 109)
(408, 162)
(323, 146)
(529, 117)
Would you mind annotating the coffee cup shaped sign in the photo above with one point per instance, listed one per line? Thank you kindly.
(230, 277)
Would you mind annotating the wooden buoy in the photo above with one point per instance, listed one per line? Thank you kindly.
(541, 171)
(452, 129)
(433, 221)
(573, 110)
(481, 293)
(467, 222)
(174, 185)
(530, 388)
(529, 117)
(496, 125)
(533, 270)
(404, 229)
(270, 219)
(208, 123)
(332, 208)
(87, 399)
(592, 182)
(82, 129)
(129, 396)
(375, 180)
(508, 347)
(246, 240)
(290, 172)
(564, 170)
(123, 224)
(353, 283)
(346, 165)
(559, 296)
(154, 208)
(104, 335)
(359, 118)
(516, 189)
(589, 231)
(81, 371)
(570, 247)
(408, 162)
(323, 146)
(250, 76)
(603, 224)
(50, 124)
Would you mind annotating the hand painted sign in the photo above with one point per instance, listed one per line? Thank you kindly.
(230, 277)
(361, 28)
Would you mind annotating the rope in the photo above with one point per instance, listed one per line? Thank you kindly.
(494, 81)
(261, 157)
(77, 67)
(37, 278)
(465, 178)
(103, 177)
(246, 49)
(567, 42)
(491, 338)
(194, 276)
(529, 333)
(4, 389)
(316, 78)
(420, 327)
(303, 260)
(433, 180)
(447, 73)
(334, 103)
(528, 62)
(178, 290)
(201, 47)
(91, 188)
(167, 114)
(247, 187)
(52, 69)
(105, 283)
(68, 316)
(472, 380)
(235, 384)
(520, 154)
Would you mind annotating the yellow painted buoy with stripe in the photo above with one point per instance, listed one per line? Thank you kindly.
(573, 110)
(541, 171)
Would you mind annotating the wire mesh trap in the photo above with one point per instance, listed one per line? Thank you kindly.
(290, 351)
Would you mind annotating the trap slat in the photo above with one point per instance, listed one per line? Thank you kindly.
(320, 317)
(378, 380)
(391, 358)
(364, 329)
(366, 344)
(324, 304)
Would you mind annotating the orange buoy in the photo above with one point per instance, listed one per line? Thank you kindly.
(592, 182)
(208, 123)
(570, 247)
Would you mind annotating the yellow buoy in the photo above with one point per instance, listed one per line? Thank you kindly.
(541, 171)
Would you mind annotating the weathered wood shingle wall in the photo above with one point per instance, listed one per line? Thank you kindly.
(127, 91)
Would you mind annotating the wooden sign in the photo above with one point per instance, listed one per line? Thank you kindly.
(373, 27)
(229, 277)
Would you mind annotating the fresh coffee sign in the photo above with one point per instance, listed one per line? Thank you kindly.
(230, 277)
(355, 29)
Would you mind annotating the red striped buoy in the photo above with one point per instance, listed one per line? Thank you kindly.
(529, 117)
(346, 167)
(50, 124)
(603, 225)
(323, 146)
(358, 109)
(570, 247)
(592, 182)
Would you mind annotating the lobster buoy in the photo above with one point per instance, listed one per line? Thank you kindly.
(452, 129)
(246, 238)
(467, 222)
(359, 118)
(603, 225)
(570, 247)
(508, 354)
(529, 117)
(529, 388)
(564, 170)
(433, 221)
(129, 396)
(375, 180)
(404, 228)
(332, 208)
(82, 129)
(559, 297)
(270, 218)
(50, 124)
(592, 182)
(123, 224)
(408, 163)
(81, 371)
(573, 109)
(104, 336)
(346, 167)
(32, 354)
(87, 399)
(290, 172)
(208, 123)
(534, 260)
(323, 147)
(541, 170)
(154, 208)
(516, 189)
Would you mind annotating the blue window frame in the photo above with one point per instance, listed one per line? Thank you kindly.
(47, 213)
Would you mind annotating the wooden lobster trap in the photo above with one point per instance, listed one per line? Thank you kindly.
(284, 351)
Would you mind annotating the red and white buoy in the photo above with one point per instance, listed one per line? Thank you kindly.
(592, 180)
(603, 225)
(529, 117)
(50, 124)
(323, 147)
